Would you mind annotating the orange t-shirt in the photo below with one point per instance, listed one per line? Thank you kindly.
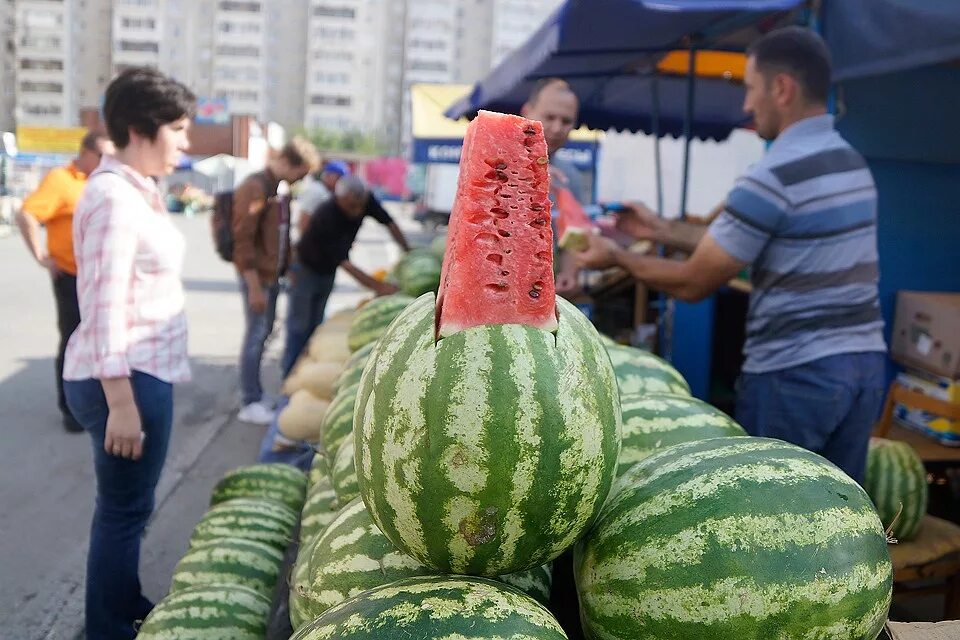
(52, 205)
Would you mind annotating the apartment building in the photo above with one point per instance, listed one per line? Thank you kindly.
(8, 65)
(285, 81)
(512, 22)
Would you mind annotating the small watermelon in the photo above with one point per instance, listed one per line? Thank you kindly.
(265, 521)
(897, 483)
(486, 444)
(353, 368)
(573, 224)
(374, 318)
(299, 584)
(208, 611)
(640, 371)
(344, 473)
(452, 607)
(338, 423)
(658, 420)
(318, 470)
(229, 561)
(734, 538)
(280, 482)
(418, 272)
(318, 511)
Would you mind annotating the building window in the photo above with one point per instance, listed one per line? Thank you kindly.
(239, 95)
(237, 5)
(40, 42)
(42, 109)
(239, 27)
(41, 87)
(238, 50)
(334, 12)
(335, 33)
(44, 65)
(344, 56)
(138, 23)
(130, 45)
(330, 100)
(427, 65)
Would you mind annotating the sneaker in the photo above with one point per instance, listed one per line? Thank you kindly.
(256, 413)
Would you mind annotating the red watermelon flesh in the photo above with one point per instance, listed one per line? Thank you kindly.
(498, 267)
(573, 223)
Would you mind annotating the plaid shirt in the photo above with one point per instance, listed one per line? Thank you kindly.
(129, 260)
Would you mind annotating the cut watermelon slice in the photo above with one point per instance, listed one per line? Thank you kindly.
(498, 268)
(573, 223)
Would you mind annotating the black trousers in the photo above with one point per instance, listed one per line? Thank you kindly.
(68, 318)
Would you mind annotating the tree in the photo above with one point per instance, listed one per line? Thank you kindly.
(351, 140)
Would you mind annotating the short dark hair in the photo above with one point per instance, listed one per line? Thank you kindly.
(91, 140)
(143, 99)
(543, 84)
(798, 52)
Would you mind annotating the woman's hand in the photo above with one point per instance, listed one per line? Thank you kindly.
(124, 436)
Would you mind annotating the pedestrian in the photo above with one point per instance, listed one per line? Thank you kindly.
(52, 206)
(261, 236)
(131, 345)
(325, 247)
(805, 218)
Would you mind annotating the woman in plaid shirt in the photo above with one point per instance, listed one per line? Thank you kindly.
(131, 345)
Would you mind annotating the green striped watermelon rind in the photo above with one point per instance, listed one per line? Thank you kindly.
(338, 421)
(229, 561)
(208, 611)
(344, 472)
(640, 371)
(374, 318)
(733, 538)
(319, 510)
(428, 476)
(460, 607)
(299, 583)
(281, 482)
(655, 421)
(896, 478)
(261, 520)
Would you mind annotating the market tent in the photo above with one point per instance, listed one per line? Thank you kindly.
(611, 52)
(438, 139)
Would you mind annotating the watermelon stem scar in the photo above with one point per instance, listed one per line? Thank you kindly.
(498, 266)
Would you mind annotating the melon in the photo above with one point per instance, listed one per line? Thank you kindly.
(897, 483)
(640, 371)
(303, 417)
(418, 272)
(229, 561)
(273, 481)
(318, 511)
(208, 611)
(373, 318)
(574, 226)
(338, 423)
(343, 473)
(260, 520)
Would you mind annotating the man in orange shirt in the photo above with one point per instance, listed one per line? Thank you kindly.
(51, 206)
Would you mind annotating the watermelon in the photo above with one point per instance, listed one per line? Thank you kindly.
(344, 472)
(318, 471)
(280, 482)
(734, 538)
(338, 423)
(654, 421)
(498, 266)
(206, 612)
(491, 451)
(265, 521)
(640, 371)
(574, 226)
(297, 603)
(439, 245)
(372, 320)
(451, 607)
(319, 510)
(418, 272)
(353, 368)
(229, 561)
(353, 555)
(897, 478)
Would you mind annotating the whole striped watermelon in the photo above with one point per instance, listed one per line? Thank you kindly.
(207, 612)
(280, 482)
(353, 555)
(418, 272)
(451, 607)
(492, 450)
(735, 538)
(640, 371)
(897, 478)
(319, 510)
(338, 423)
(353, 369)
(372, 320)
(297, 603)
(318, 471)
(265, 521)
(344, 472)
(229, 561)
(655, 421)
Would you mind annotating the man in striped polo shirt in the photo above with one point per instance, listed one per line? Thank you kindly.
(805, 218)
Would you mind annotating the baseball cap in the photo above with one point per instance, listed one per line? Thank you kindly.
(338, 167)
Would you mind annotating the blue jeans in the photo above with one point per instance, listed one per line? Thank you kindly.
(308, 296)
(125, 500)
(299, 455)
(828, 406)
(259, 328)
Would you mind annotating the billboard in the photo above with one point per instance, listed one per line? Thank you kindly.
(65, 140)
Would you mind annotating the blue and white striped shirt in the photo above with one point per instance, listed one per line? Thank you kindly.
(805, 217)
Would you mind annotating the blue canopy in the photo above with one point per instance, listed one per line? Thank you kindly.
(608, 51)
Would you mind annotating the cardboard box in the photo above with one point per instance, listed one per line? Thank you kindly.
(945, 430)
(926, 332)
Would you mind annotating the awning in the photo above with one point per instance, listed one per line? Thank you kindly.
(438, 139)
(611, 52)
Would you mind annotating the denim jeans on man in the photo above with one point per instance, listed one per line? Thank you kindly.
(125, 500)
(259, 328)
(828, 406)
(307, 298)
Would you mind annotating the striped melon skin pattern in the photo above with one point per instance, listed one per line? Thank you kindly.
(280, 482)
(656, 421)
(209, 612)
(372, 320)
(735, 539)
(299, 583)
(318, 470)
(319, 510)
(353, 368)
(438, 608)
(896, 476)
(353, 555)
(338, 423)
(344, 472)
(492, 451)
(229, 561)
(640, 371)
(264, 521)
